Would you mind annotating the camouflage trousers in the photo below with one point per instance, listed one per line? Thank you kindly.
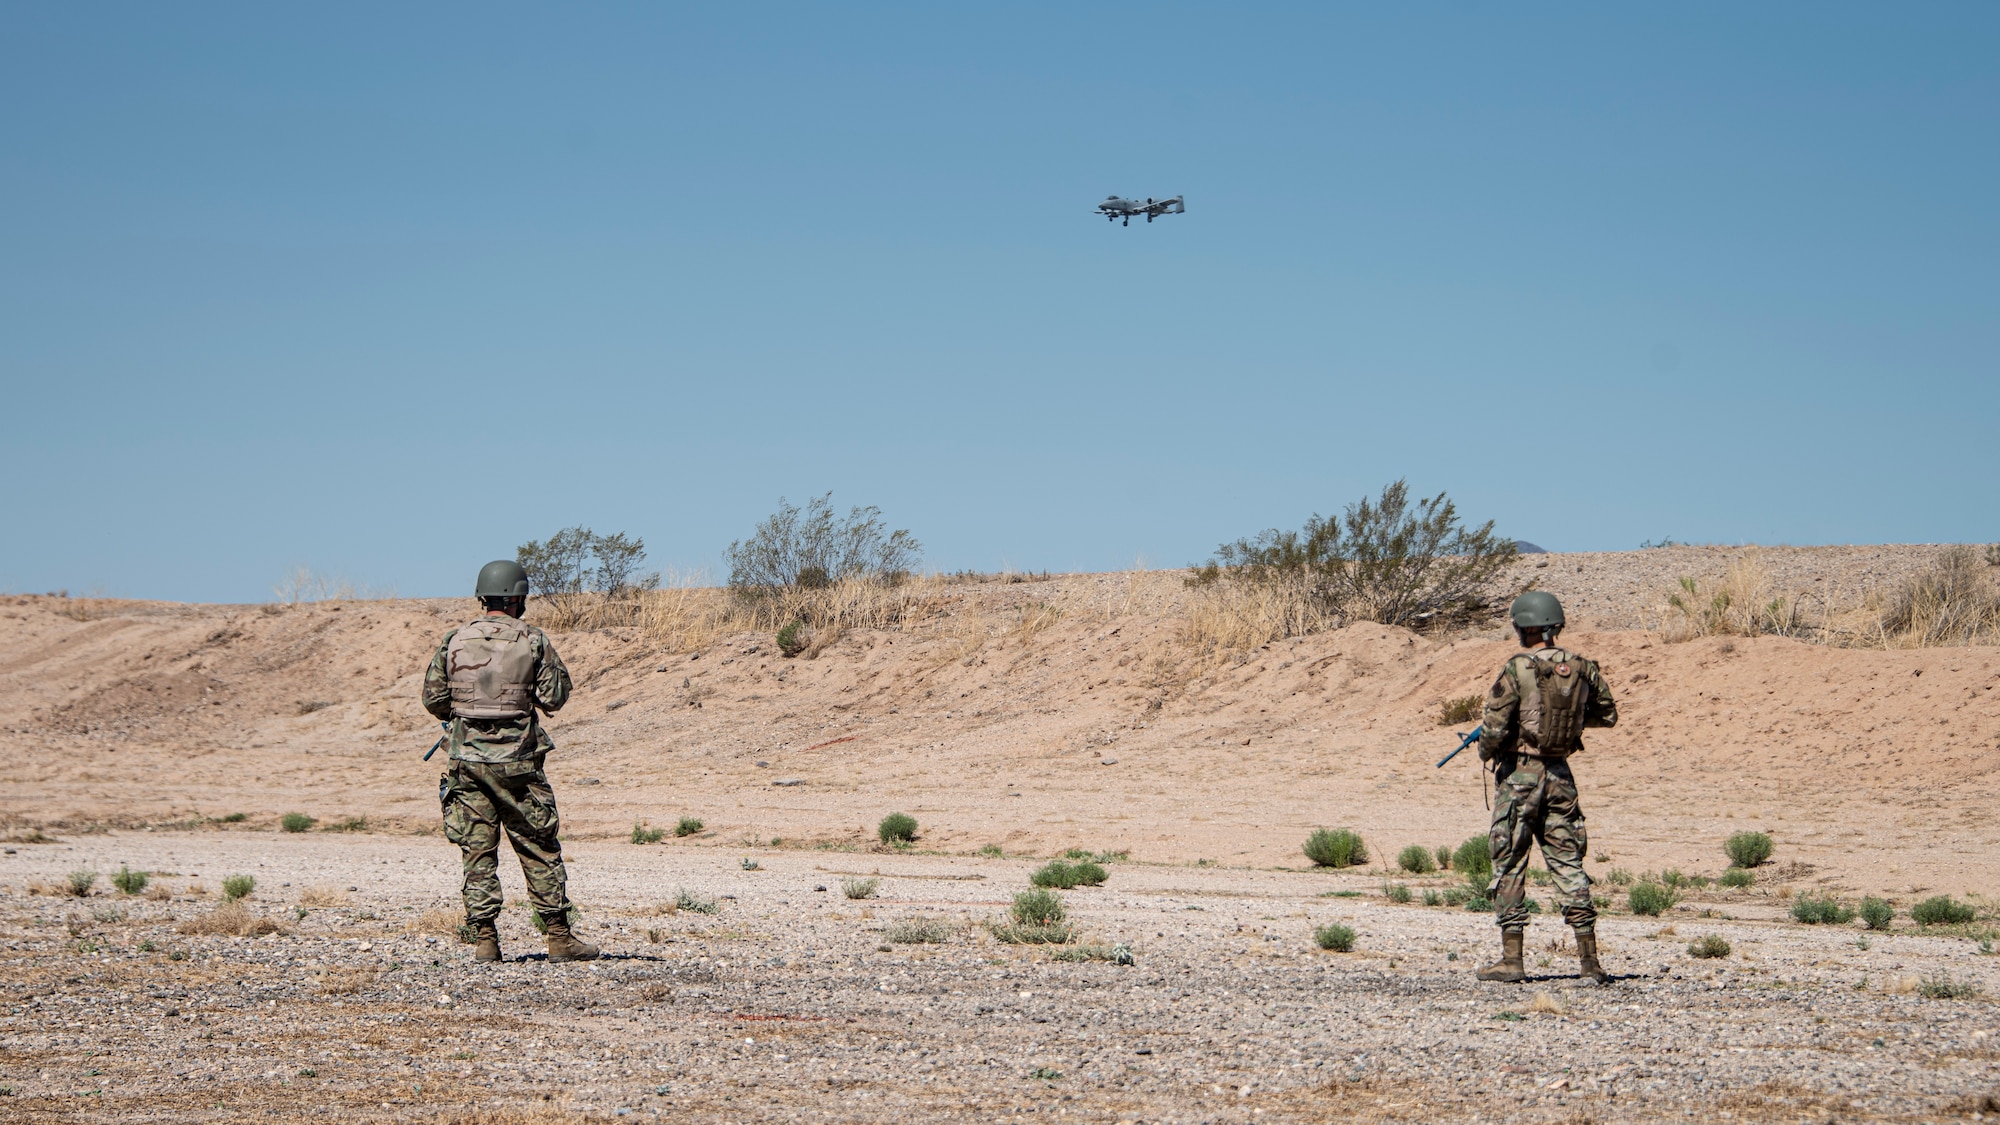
(1535, 802)
(481, 799)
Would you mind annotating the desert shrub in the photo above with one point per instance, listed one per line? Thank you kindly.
(1747, 849)
(644, 835)
(578, 577)
(1673, 878)
(1458, 895)
(1650, 899)
(992, 851)
(1336, 848)
(1336, 937)
(295, 822)
(1876, 913)
(813, 548)
(1433, 898)
(1474, 859)
(687, 826)
(1815, 911)
(130, 882)
(794, 638)
(1038, 918)
(1945, 987)
(81, 880)
(1443, 855)
(918, 931)
(1386, 559)
(1619, 877)
(1397, 893)
(1463, 709)
(1954, 601)
(1744, 602)
(1709, 946)
(695, 904)
(238, 886)
(234, 818)
(1063, 875)
(854, 887)
(1737, 877)
(897, 828)
(1416, 859)
(1116, 954)
(350, 824)
(1477, 902)
(1941, 910)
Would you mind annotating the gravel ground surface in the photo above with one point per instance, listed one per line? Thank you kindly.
(790, 1003)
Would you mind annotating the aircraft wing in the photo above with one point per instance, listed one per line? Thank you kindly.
(1174, 206)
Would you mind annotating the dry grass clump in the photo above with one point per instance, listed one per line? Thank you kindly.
(682, 616)
(439, 921)
(918, 931)
(1954, 601)
(344, 982)
(1236, 617)
(322, 896)
(231, 918)
(1742, 603)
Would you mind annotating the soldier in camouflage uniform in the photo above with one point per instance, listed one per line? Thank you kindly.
(1534, 720)
(487, 680)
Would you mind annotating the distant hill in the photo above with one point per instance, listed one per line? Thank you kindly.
(1527, 548)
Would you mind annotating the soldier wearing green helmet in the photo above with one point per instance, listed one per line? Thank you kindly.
(487, 681)
(1535, 715)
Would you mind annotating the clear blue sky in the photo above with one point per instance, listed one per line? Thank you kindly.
(387, 290)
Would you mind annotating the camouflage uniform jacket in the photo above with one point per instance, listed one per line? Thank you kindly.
(1500, 726)
(499, 740)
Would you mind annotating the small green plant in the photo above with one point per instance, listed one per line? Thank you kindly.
(234, 818)
(1397, 893)
(1458, 895)
(992, 851)
(1944, 987)
(299, 913)
(1464, 709)
(147, 947)
(1416, 859)
(1063, 875)
(1478, 903)
(919, 931)
(1336, 937)
(1116, 954)
(695, 904)
(1433, 898)
(81, 880)
(1651, 899)
(856, 887)
(1038, 918)
(1876, 913)
(750, 864)
(794, 638)
(295, 822)
(1474, 859)
(1737, 878)
(1045, 1074)
(1335, 847)
(1619, 877)
(897, 828)
(687, 826)
(1708, 946)
(238, 886)
(130, 882)
(1941, 910)
(308, 1072)
(1444, 856)
(1672, 877)
(1747, 849)
(351, 824)
(641, 834)
(1821, 911)
(177, 955)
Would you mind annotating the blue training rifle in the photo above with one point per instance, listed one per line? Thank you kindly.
(1462, 744)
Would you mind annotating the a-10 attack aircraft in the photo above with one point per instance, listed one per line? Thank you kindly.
(1115, 208)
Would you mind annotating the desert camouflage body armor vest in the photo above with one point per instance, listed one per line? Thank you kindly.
(491, 664)
(1555, 696)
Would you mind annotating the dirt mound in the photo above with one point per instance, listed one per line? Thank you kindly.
(995, 725)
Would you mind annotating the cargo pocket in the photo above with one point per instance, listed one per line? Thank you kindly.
(457, 818)
(538, 810)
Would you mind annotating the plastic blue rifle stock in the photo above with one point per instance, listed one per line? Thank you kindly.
(447, 734)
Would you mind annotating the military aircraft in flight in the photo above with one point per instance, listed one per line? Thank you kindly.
(1115, 208)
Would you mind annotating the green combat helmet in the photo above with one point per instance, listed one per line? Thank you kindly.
(1536, 609)
(503, 578)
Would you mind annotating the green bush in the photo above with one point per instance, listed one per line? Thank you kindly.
(1651, 899)
(1672, 877)
(1619, 877)
(1115, 954)
(1038, 908)
(644, 835)
(918, 931)
(1474, 859)
(1738, 877)
(853, 887)
(897, 828)
(1444, 856)
(1063, 875)
(1335, 847)
(1876, 913)
(695, 904)
(1458, 896)
(1433, 898)
(793, 639)
(1416, 859)
(1821, 911)
(1941, 910)
(295, 822)
(351, 824)
(234, 818)
(1944, 987)
(1747, 849)
(1478, 903)
(81, 880)
(1336, 937)
(129, 881)
(687, 826)
(1397, 893)
(992, 851)
(238, 886)
(1708, 947)
(1463, 709)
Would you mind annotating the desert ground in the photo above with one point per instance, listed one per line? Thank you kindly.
(1029, 716)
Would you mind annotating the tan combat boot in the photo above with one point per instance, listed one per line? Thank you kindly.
(1586, 951)
(1508, 968)
(563, 945)
(485, 941)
